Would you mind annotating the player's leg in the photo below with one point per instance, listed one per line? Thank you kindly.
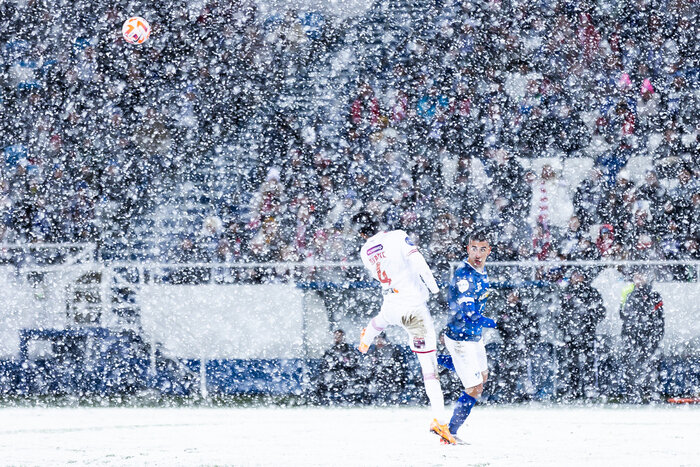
(465, 403)
(375, 326)
(423, 342)
(482, 365)
(470, 369)
(428, 364)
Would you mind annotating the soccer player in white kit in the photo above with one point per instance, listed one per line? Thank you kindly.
(405, 278)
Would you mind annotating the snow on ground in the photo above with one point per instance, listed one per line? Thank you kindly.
(498, 436)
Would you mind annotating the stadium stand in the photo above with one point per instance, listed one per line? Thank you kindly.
(238, 134)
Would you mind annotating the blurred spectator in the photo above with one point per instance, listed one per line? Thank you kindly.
(509, 184)
(190, 251)
(574, 242)
(606, 241)
(520, 333)
(551, 209)
(581, 311)
(651, 190)
(642, 313)
(338, 373)
(93, 134)
(648, 106)
(341, 214)
(365, 114)
(681, 197)
(588, 198)
(386, 372)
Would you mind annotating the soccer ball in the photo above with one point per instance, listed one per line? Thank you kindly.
(136, 30)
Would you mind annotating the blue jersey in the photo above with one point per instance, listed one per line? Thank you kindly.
(467, 295)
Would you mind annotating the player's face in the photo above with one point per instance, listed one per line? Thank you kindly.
(477, 254)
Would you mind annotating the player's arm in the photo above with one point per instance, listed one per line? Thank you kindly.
(466, 304)
(365, 263)
(469, 311)
(418, 265)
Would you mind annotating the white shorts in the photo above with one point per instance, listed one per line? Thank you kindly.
(415, 320)
(469, 360)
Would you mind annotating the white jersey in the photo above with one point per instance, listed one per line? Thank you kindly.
(396, 263)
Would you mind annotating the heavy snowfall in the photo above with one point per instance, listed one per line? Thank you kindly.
(180, 279)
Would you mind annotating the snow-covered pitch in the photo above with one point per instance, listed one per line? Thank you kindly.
(500, 435)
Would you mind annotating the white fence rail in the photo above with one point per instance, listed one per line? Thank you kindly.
(112, 295)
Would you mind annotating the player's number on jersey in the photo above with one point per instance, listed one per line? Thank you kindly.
(383, 278)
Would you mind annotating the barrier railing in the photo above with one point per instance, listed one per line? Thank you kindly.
(341, 286)
(34, 255)
(39, 254)
(351, 274)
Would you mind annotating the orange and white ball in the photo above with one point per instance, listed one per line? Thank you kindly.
(136, 30)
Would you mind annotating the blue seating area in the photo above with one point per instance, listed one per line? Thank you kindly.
(270, 376)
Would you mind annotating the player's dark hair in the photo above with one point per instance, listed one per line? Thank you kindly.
(365, 223)
(481, 235)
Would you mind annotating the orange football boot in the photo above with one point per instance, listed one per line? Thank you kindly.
(363, 348)
(443, 431)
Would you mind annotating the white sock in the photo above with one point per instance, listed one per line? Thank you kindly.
(428, 363)
(437, 402)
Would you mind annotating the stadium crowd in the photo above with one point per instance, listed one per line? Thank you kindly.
(440, 118)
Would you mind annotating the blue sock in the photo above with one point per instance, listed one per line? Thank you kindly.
(462, 409)
(446, 361)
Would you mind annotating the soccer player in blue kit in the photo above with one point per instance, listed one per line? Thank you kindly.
(467, 295)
